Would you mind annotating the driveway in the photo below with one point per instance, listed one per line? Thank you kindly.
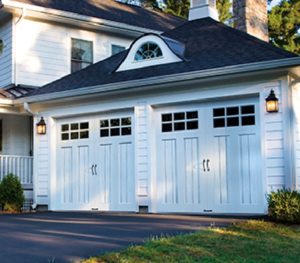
(69, 237)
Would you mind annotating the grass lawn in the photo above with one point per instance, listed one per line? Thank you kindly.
(252, 241)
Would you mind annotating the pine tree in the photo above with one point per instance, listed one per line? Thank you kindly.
(284, 25)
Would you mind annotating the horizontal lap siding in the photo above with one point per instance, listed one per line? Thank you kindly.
(274, 144)
(44, 50)
(6, 67)
(141, 146)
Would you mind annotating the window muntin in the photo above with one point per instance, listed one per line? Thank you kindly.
(234, 116)
(74, 131)
(179, 121)
(116, 127)
(115, 49)
(81, 54)
(148, 50)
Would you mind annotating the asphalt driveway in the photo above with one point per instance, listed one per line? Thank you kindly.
(70, 237)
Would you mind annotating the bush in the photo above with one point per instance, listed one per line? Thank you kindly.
(284, 206)
(11, 194)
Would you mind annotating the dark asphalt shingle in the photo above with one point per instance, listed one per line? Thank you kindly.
(209, 45)
(113, 11)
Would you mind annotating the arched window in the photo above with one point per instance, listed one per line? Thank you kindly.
(148, 50)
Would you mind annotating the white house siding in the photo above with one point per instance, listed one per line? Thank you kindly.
(41, 166)
(142, 153)
(274, 140)
(6, 66)
(296, 110)
(44, 50)
(16, 135)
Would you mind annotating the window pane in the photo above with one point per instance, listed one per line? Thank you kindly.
(115, 49)
(104, 133)
(166, 117)
(115, 122)
(84, 135)
(84, 125)
(219, 123)
(219, 112)
(65, 127)
(65, 136)
(192, 115)
(74, 126)
(192, 125)
(248, 120)
(115, 132)
(179, 126)
(179, 116)
(126, 121)
(104, 123)
(74, 135)
(248, 109)
(82, 50)
(234, 121)
(232, 111)
(126, 131)
(166, 127)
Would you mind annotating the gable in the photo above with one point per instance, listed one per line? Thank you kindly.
(149, 50)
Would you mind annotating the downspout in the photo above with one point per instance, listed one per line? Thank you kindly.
(15, 43)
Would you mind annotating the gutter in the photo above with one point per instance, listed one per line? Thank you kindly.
(162, 80)
(67, 16)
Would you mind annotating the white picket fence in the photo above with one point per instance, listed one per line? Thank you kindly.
(21, 166)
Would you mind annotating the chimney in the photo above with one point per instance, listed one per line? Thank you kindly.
(203, 8)
(251, 17)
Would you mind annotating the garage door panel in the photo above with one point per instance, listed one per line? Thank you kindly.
(169, 172)
(248, 174)
(82, 187)
(191, 167)
(66, 175)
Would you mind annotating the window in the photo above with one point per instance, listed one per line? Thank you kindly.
(1, 132)
(82, 54)
(115, 49)
(149, 50)
(234, 116)
(115, 127)
(74, 131)
(179, 121)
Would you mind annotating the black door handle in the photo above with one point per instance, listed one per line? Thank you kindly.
(207, 165)
(203, 164)
(92, 170)
(95, 169)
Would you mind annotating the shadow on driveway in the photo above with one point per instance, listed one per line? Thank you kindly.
(72, 236)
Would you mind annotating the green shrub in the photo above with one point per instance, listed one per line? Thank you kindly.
(284, 206)
(11, 194)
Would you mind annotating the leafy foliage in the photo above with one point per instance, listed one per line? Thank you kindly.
(284, 206)
(284, 25)
(11, 194)
(177, 7)
(224, 7)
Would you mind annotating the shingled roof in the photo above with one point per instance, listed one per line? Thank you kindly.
(113, 11)
(209, 45)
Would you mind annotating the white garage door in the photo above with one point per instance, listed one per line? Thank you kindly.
(209, 159)
(95, 168)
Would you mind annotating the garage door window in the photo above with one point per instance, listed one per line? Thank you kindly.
(179, 121)
(234, 116)
(74, 131)
(115, 127)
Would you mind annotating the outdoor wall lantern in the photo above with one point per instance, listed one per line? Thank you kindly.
(272, 102)
(41, 127)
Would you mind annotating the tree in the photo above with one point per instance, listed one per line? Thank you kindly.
(177, 7)
(284, 25)
(224, 7)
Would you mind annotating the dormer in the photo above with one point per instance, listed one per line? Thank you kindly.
(150, 50)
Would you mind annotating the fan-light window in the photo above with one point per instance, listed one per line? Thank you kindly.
(149, 50)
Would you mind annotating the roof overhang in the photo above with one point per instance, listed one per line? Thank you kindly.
(286, 66)
(72, 19)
